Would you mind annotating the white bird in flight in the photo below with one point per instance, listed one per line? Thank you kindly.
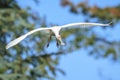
(54, 31)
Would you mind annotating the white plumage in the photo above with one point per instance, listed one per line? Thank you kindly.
(55, 30)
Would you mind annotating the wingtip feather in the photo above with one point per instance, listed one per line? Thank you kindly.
(111, 23)
(16, 41)
(6, 47)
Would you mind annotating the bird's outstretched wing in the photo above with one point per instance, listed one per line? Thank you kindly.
(82, 25)
(16, 41)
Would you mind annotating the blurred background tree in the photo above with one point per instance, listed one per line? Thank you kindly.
(32, 61)
(103, 15)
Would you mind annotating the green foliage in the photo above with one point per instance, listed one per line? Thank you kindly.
(111, 51)
(24, 61)
(100, 45)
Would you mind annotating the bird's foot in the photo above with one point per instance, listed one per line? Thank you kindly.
(47, 45)
(57, 44)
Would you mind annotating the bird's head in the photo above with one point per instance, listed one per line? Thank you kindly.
(59, 40)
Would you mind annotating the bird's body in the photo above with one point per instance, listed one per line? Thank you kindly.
(54, 31)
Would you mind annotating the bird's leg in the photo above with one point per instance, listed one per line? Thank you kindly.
(57, 42)
(49, 40)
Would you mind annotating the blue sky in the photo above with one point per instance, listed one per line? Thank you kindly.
(78, 65)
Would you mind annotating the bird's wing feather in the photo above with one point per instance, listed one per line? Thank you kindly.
(16, 41)
(82, 25)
